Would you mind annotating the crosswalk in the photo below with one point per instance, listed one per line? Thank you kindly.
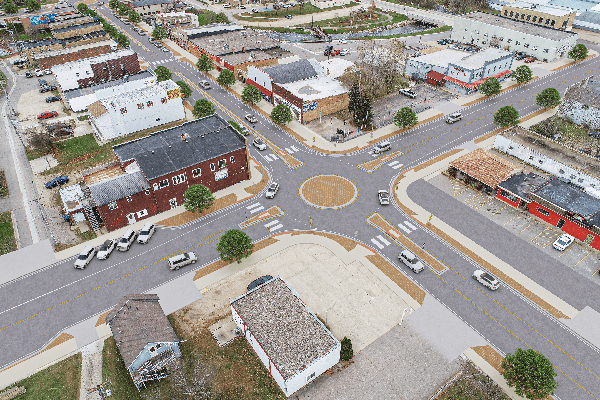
(159, 62)
(270, 157)
(254, 208)
(381, 242)
(273, 226)
(395, 165)
(291, 149)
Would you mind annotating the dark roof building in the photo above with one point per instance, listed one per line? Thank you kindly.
(564, 197)
(118, 187)
(144, 336)
(165, 152)
(523, 184)
(294, 71)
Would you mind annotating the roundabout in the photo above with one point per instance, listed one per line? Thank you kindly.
(328, 192)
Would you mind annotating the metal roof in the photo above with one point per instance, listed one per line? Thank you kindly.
(549, 9)
(142, 3)
(569, 197)
(165, 152)
(294, 71)
(117, 188)
(523, 184)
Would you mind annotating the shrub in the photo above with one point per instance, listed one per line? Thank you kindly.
(346, 353)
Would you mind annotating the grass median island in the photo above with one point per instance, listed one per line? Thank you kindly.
(3, 185)
(8, 242)
(57, 382)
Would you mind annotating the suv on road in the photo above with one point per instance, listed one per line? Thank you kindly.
(146, 233)
(259, 144)
(486, 279)
(85, 257)
(384, 197)
(381, 147)
(204, 84)
(411, 261)
(272, 190)
(127, 240)
(452, 118)
(260, 281)
(182, 260)
(408, 93)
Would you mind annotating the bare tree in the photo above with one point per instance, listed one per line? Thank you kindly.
(196, 385)
(41, 141)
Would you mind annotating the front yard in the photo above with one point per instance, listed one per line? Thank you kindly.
(58, 382)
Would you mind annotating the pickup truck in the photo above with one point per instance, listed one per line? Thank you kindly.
(408, 93)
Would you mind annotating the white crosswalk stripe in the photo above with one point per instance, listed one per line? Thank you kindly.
(293, 148)
(253, 205)
(392, 163)
(266, 157)
(272, 228)
(274, 157)
(398, 166)
(411, 226)
(383, 240)
(289, 150)
(376, 243)
(404, 228)
(255, 210)
(272, 223)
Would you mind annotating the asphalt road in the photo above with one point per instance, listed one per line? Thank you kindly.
(38, 307)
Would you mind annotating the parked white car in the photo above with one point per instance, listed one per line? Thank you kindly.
(146, 233)
(106, 248)
(182, 260)
(411, 261)
(486, 279)
(564, 241)
(85, 257)
(127, 240)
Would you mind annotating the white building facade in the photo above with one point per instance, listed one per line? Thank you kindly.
(484, 30)
(136, 110)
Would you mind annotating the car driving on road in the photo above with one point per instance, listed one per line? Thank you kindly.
(411, 261)
(127, 240)
(251, 118)
(452, 118)
(272, 190)
(259, 144)
(384, 197)
(105, 249)
(182, 260)
(85, 257)
(564, 241)
(381, 147)
(486, 279)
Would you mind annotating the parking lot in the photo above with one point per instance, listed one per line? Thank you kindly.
(578, 256)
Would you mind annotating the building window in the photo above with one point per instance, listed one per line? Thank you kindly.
(512, 13)
(196, 173)
(547, 21)
(509, 196)
(505, 13)
(124, 110)
(231, 159)
(149, 104)
(542, 211)
(147, 191)
(212, 166)
(522, 16)
(528, 17)
(545, 50)
(222, 163)
(155, 186)
(142, 213)
(553, 22)
(534, 18)
(517, 43)
(129, 199)
(163, 100)
(517, 15)
(163, 183)
(173, 203)
(141, 106)
(112, 205)
(178, 179)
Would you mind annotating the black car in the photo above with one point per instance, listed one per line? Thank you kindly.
(257, 282)
(52, 99)
(42, 82)
(28, 74)
(45, 89)
(328, 50)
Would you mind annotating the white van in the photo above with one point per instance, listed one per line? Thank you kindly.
(381, 147)
(411, 261)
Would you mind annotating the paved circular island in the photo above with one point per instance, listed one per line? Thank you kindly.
(328, 192)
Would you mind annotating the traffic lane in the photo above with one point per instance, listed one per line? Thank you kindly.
(503, 317)
(521, 255)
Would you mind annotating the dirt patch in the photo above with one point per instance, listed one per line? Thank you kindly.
(187, 216)
(328, 191)
(472, 383)
(427, 95)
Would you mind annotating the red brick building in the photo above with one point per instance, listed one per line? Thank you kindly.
(206, 151)
(123, 200)
(57, 57)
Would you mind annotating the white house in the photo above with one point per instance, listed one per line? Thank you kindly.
(289, 339)
(136, 110)
(486, 30)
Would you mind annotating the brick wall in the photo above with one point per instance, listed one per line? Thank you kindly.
(49, 62)
(238, 171)
(117, 218)
(326, 106)
(78, 32)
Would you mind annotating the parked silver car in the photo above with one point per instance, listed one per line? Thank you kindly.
(106, 248)
(127, 240)
(85, 257)
(146, 233)
(181, 260)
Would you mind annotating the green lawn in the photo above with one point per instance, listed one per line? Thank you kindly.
(444, 28)
(3, 185)
(113, 369)
(307, 8)
(57, 382)
(345, 21)
(7, 234)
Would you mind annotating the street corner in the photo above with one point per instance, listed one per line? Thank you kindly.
(328, 192)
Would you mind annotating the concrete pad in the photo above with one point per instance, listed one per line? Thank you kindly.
(84, 332)
(223, 331)
(42, 164)
(587, 324)
(177, 293)
(452, 337)
(26, 260)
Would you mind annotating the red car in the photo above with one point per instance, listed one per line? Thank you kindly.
(335, 52)
(47, 114)
(529, 60)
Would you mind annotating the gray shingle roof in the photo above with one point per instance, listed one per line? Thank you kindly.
(164, 152)
(118, 187)
(142, 3)
(292, 72)
(138, 319)
(592, 17)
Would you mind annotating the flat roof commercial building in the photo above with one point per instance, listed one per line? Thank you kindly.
(487, 30)
(51, 58)
(289, 339)
(547, 15)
